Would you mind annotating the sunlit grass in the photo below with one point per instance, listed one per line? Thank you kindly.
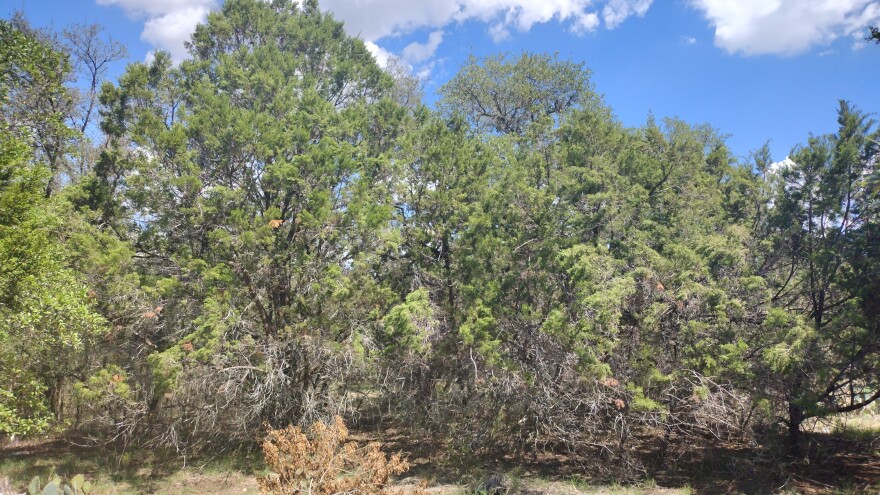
(136, 472)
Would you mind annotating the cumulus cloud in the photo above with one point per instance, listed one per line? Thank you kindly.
(585, 23)
(785, 27)
(417, 52)
(777, 167)
(375, 19)
(171, 30)
(167, 23)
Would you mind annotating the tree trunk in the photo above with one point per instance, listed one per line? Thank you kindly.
(795, 419)
(54, 394)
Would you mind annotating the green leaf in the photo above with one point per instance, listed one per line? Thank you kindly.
(34, 487)
(52, 489)
(77, 482)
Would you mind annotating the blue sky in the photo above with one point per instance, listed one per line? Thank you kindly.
(753, 69)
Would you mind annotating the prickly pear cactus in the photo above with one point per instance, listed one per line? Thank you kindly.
(55, 486)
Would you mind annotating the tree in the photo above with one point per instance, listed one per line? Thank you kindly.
(276, 227)
(408, 89)
(70, 150)
(91, 55)
(506, 96)
(522, 100)
(821, 352)
(577, 302)
(36, 101)
(46, 317)
(254, 175)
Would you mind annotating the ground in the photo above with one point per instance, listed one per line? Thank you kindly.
(843, 457)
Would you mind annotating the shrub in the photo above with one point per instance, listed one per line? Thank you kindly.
(323, 462)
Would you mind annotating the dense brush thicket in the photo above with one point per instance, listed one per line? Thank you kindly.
(276, 231)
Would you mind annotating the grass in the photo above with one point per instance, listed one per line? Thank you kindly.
(130, 473)
(143, 472)
(543, 486)
(859, 427)
(577, 485)
(846, 461)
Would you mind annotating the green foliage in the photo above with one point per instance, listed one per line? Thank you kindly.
(507, 96)
(47, 319)
(77, 485)
(795, 337)
(820, 333)
(642, 403)
(249, 174)
(479, 331)
(408, 325)
(106, 383)
(34, 101)
(274, 227)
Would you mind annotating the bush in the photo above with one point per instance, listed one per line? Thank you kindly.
(324, 463)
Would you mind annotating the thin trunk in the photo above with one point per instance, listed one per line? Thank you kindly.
(795, 419)
(447, 265)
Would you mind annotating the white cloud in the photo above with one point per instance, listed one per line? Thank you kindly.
(167, 23)
(394, 63)
(617, 11)
(785, 27)
(688, 40)
(499, 33)
(417, 52)
(171, 30)
(585, 23)
(424, 73)
(777, 167)
(149, 8)
(381, 55)
(375, 19)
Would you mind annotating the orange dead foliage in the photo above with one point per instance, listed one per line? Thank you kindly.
(610, 382)
(323, 462)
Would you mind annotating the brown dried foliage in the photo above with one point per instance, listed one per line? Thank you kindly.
(323, 462)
